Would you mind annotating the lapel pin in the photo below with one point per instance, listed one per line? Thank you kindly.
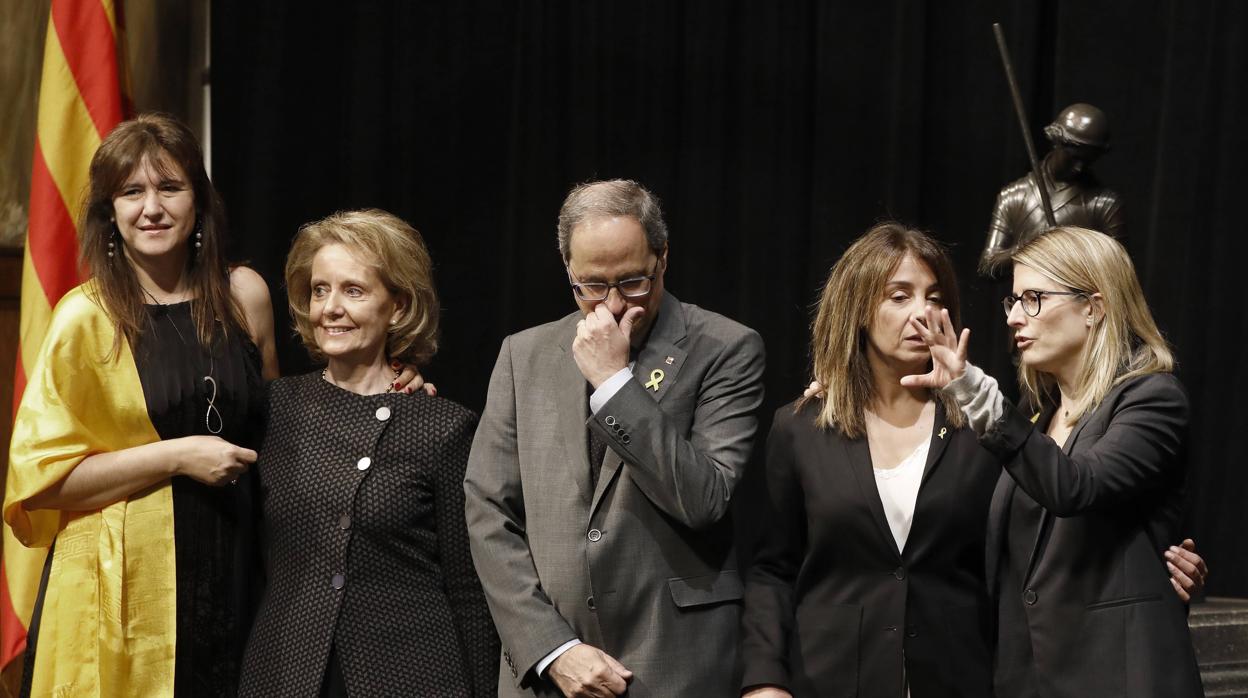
(942, 433)
(669, 360)
(656, 377)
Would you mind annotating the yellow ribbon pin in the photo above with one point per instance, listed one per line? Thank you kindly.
(942, 433)
(656, 377)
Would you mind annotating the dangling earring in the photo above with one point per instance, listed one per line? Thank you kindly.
(199, 234)
(112, 239)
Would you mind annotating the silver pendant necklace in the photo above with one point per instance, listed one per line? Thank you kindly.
(212, 416)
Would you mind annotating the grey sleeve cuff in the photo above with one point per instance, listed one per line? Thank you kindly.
(609, 388)
(979, 397)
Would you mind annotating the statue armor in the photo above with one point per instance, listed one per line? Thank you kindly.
(1079, 200)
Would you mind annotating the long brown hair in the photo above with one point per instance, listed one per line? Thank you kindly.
(846, 309)
(163, 141)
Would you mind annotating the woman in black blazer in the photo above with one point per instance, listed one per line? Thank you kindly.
(1094, 465)
(870, 581)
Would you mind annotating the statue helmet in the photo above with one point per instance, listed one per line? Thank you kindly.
(1080, 125)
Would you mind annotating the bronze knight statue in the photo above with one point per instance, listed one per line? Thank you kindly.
(1079, 134)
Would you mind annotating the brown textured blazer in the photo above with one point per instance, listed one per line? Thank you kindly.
(366, 548)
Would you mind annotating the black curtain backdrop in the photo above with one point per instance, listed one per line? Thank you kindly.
(775, 133)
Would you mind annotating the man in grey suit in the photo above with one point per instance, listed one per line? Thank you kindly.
(614, 573)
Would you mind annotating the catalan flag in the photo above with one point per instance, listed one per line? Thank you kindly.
(81, 99)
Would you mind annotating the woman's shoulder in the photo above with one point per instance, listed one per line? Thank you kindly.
(80, 303)
(247, 280)
(249, 288)
(1160, 388)
(435, 410)
(80, 312)
(799, 418)
(292, 387)
(1160, 381)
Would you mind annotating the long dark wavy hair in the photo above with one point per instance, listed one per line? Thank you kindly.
(163, 141)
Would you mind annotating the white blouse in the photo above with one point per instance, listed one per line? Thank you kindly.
(899, 489)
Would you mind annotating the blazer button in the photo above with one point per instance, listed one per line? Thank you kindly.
(338, 581)
(900, 573)
(912, 631)
(344, 521)
(1030, 597)
(594, 535)
(590, 603)
(610, 421)
(363, 463)
(383, 413)
(624, 439)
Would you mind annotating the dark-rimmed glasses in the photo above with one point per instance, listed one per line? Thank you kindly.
(1031, 300)
(635, 287)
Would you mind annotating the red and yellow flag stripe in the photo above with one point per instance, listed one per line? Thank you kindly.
(81, 99)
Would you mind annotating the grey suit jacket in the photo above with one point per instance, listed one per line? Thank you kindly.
(642, 565)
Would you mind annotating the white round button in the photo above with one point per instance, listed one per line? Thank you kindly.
(383, 413)
(363, 463)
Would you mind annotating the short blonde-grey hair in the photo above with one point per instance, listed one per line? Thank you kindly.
(1126, 341)
(396, 252)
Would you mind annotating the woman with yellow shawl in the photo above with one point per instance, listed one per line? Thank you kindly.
(130, 450)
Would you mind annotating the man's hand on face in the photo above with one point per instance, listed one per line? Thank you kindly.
(588, 672)
(601, 345)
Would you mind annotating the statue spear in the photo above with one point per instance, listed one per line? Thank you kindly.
(1022, 123)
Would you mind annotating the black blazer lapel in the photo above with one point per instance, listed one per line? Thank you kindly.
(920, 538)
(858, 459)
(942, 434)
(1046, 517)
(998, 519)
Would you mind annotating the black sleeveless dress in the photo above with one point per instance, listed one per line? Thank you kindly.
(217, 559)
(218, 571)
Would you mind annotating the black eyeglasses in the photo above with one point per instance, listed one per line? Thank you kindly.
(635, 287)
(1031, 300)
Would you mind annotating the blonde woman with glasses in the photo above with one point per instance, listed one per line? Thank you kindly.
(1094, 465)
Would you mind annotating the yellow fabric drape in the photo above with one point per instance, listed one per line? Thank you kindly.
(108, 621)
